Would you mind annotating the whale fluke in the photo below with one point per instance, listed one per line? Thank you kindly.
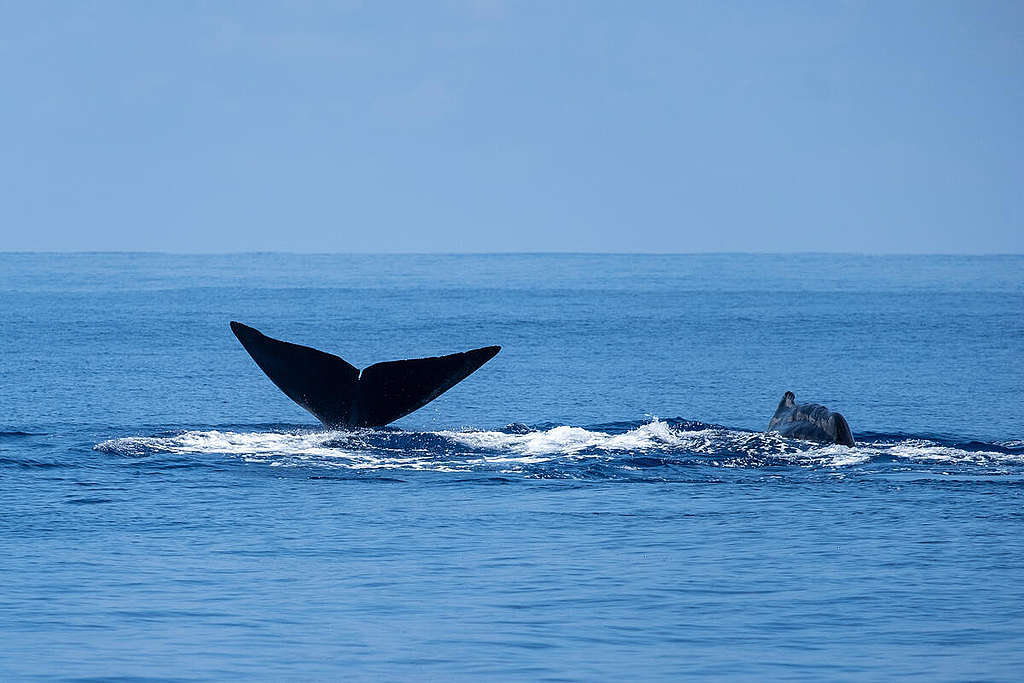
(341, 396)
(809, 421)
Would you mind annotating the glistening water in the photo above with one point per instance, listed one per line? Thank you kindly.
(598, 502)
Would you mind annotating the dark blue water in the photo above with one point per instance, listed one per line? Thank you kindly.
(597, 502)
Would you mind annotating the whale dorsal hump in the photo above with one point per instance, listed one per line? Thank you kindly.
(809, 421)
(787, 402)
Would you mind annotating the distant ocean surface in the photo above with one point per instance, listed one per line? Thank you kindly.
(598, 502)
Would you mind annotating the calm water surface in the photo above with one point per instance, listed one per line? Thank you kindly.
(596, 503)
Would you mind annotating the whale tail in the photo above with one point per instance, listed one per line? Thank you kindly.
(341, 396)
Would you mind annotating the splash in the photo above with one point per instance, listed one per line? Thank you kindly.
(558, 451)
(565, 440)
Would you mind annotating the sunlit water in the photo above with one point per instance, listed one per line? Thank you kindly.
(597, 502)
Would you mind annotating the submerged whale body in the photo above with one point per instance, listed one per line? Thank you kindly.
(809, 421)
(341, 396)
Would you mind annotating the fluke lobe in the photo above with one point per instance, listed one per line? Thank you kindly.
(341, 396)
(809, 421)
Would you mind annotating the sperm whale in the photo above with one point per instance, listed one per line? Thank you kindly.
(809, 421)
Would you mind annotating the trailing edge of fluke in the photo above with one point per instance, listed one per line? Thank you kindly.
(341, 396)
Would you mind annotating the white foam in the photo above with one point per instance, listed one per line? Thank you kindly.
(469, 450)
(284, 449)
(567, 440)
(928, 451)
(230, 443)
(910, 450)
(832, 455)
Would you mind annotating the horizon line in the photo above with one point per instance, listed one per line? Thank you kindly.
(156, 252)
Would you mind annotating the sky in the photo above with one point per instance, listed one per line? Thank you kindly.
(491, 126)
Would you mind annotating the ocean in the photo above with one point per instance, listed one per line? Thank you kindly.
(597, 502)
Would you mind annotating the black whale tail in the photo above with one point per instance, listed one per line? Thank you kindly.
(339, 395)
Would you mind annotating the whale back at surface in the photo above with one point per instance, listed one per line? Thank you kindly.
(810, 422)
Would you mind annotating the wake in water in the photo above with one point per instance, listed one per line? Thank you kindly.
(561, 450)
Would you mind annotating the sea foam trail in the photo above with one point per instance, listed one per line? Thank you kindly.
(651, 444)
(567, 440)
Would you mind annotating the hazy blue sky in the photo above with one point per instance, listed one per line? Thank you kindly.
(512, 126)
